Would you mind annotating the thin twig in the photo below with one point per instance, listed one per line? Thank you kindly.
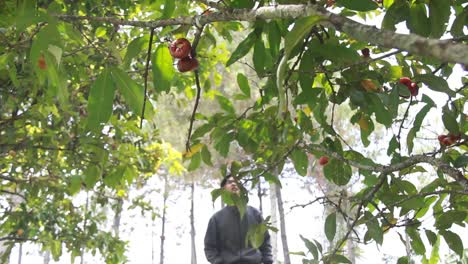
(148, 58)
(192, 119)
(402, 122)
(197, 80)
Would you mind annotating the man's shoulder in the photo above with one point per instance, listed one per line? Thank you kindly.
(253, 209)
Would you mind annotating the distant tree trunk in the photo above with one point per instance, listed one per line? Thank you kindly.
(84, 226)
(46, 257)
(274, 222)
(192, 223)
(117, 217)
(284, 238)
(260, 194)
(20, 252)
(163, 228)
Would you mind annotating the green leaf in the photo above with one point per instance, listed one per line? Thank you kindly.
(195, 162)
(91, 175)
(330, 226)
(133, 50)
(243, 48)
(306, 66)
(225, 104)
(300, 161)
(163, 70)
(398, 12)
(114, 178)
(431, 237)
(243, 84)
(310, 246)
(417, 125)
(445, 220)
(206, 156)
(461, 161)
(453, 241)
(403, 260)
(337, 172)
(131, 92)
(169, 7)
(75, 185)
(301, 28)
(439, 14)
(222, 144)
(459, 24)
(416, 242)
(258, 57)
(418, 22)
(100, 100)
(361, 5)
(339, 259)
(435, 83)
(202, 130)
(26, 15)
(450, 121)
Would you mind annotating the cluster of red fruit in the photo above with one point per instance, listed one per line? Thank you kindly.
(412, 86)
(182, 49)
(447, 140)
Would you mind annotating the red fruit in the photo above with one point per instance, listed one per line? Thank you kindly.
(323, 160)
(187, 64)
(406, 81)
(447, 141)
(365, 52)
(453, 137)
(180, 48)
(41, 63)
(414, 89)
(441, 138)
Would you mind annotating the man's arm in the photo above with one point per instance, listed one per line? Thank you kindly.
(211, 243)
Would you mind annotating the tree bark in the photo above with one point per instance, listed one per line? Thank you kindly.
(46, 257)
(117, 217)
(192, 222)
(163, 226)
(20, 253)
(274, 222)
(284, 237)
(443, 50)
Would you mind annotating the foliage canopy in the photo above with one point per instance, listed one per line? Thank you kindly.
(80, 82)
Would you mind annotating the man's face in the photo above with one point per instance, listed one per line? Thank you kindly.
(231, 186)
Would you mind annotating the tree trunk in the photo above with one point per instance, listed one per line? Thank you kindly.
(284, 237)
(260, 194)
(163, 227)
(84, 226)
(46, 257)
(20, 252)
(117, 217)
(192, 223)
(274, 222)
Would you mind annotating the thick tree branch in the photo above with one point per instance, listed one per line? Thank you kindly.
(410, 161)
(443, 50)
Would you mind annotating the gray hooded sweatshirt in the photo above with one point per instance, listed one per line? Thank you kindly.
(225, 238)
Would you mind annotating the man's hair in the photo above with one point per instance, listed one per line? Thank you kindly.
(225, 179)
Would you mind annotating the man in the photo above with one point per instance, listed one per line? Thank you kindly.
(225, 239)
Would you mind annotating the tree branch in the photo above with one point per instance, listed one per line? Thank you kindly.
(443, 50)
(410, 161)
